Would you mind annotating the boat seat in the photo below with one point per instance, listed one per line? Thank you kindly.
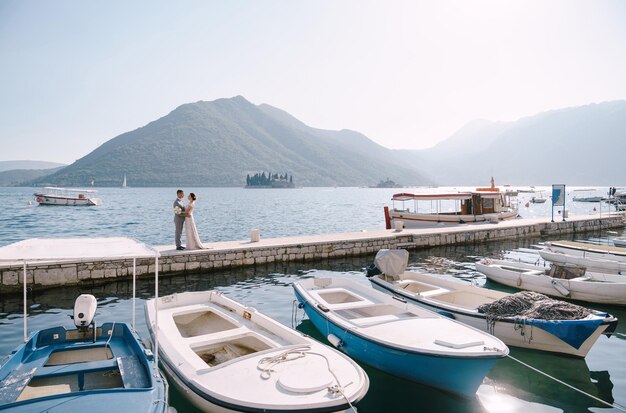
(75, 368)
(340, 298)
(134, 374)
(13, 385)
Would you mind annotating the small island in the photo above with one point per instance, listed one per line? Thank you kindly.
(388, 183)
(261, 180)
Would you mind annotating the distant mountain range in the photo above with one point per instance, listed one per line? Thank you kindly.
(9, 165)
(218, 143)
(577, 146)
(17, 177)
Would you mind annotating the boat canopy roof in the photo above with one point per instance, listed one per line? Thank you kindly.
(76, 249)
(56, 188)
(452, 196)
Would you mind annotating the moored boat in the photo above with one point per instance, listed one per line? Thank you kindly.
(428, 209)
(227, 357)
(397, 337)
(470, 305)
(560, 281)
(87, 368)
(51, 195)
(620, 242)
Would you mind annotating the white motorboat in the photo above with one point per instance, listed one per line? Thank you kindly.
(559, 281)
(398, 337)
(428, 209)
(226, 357)
(52, 195)
(462, 302)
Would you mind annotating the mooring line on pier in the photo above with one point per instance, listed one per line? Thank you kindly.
(613, 405)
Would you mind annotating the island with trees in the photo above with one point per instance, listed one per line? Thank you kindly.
(269, 180)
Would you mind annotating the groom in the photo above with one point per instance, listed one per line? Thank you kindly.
(179, 218)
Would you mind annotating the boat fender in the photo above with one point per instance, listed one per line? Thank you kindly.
(519, 281)
(335, 341)
(39, 199)
(447, 314)
(560, 288)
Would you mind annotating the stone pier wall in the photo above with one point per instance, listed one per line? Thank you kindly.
(49, 275)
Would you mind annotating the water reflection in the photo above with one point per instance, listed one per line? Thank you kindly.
(509, 377)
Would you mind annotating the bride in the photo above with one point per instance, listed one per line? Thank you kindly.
(192, 239)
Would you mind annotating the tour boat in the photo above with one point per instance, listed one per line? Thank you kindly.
(227, 357)
(561, 281)
(62, 196)
(428, 209)
(620, 242)
(462, 301)
(397, 337)
(92, 368)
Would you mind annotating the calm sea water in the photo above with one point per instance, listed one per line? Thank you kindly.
(230, 213)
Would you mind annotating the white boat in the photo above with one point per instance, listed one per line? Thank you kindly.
(600, 258)
(52, 195)
(124, 182)
(591, 264)
(428, 209)
(565, 282)
(225, 357)
(538, 199)
(620, 242)
(587, 199)
(397, 337)
(462, 301)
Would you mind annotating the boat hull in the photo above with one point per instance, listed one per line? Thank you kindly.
(81, 360)
(511, 332)
(413, 220)
(43, 199)
(593, 292)
(457, 375)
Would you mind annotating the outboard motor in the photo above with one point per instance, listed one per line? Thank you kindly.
(84, 313)
(392, 263)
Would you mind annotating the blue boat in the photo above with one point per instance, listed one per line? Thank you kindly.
(397, 337)
(66, 370)
(90, 368)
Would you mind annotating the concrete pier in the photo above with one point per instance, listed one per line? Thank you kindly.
(232, 254)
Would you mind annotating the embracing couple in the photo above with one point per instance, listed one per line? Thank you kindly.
(183, 215)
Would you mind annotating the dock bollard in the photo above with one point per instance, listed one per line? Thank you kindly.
(255, 235)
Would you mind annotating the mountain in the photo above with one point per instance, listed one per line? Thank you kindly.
(582, 145)
(16, 177)
(218, 143)
(8, 165)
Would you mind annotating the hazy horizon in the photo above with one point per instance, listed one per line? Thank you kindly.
(406, 74)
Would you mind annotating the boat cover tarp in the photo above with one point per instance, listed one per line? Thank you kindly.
(392, 262)
(76, 249)
(569, 322)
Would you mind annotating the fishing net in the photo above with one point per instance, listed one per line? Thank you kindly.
(529, 304)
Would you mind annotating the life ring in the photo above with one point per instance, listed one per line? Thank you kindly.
(39, 199)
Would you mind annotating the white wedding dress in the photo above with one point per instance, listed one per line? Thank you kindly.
(192, 239)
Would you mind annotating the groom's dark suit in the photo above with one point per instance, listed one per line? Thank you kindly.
(179, 220)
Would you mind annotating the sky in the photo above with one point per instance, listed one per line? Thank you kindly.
(408, 74)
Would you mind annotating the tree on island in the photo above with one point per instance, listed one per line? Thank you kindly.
(271, 180)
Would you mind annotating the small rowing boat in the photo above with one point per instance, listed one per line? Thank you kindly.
(560, 281)
(227, 357)
(466, 303)
(397, 337)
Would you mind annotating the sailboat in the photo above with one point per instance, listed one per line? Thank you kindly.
(124, 183)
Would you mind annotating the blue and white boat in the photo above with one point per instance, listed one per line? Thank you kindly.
(397, 337)
(462, 302)
(90, 368)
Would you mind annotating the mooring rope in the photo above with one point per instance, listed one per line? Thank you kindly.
(614, 405)
(267, 363)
